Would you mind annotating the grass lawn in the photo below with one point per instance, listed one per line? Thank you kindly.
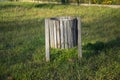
(22, 43)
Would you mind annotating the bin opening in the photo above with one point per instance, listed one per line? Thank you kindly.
(64, 18)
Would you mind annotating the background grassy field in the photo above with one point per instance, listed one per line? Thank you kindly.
(22, 43)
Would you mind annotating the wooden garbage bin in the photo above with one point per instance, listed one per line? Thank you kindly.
(63, 33)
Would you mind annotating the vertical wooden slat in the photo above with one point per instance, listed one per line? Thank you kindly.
(74, 32)
(73, 28)
(69, 34)
(71, 24)
(62, 35)
(47, 39)
(53, 42)
(52, 33)
(76, 29)
(79, 38)
(55, 34)
(58, 33)
(65, 34)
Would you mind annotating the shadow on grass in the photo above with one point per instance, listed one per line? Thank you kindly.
(55, 54)
(18, 25)
(91, 49)
(8, 6)
(50, 6)
(26, 5)
(96, 48)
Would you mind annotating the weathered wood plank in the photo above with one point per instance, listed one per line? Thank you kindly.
(79, 38)
(47, 40)
(55, 34)
(74, 32)
(58, 34)
(65, 33)
(51, 33)
(71, 24)
(73, 28)
(62, 34)
(69, 34)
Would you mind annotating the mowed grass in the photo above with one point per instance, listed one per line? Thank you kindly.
(22, 43)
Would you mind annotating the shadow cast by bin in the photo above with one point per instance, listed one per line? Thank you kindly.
(56, 53)
(93, 49)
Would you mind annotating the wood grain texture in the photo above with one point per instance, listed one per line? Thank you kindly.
(79, 38)
(47, 40)
(66, 34)
(58, 34)
(62, 34)
(55, 34)
(51, 26)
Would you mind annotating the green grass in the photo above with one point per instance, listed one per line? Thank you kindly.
(22, 43)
